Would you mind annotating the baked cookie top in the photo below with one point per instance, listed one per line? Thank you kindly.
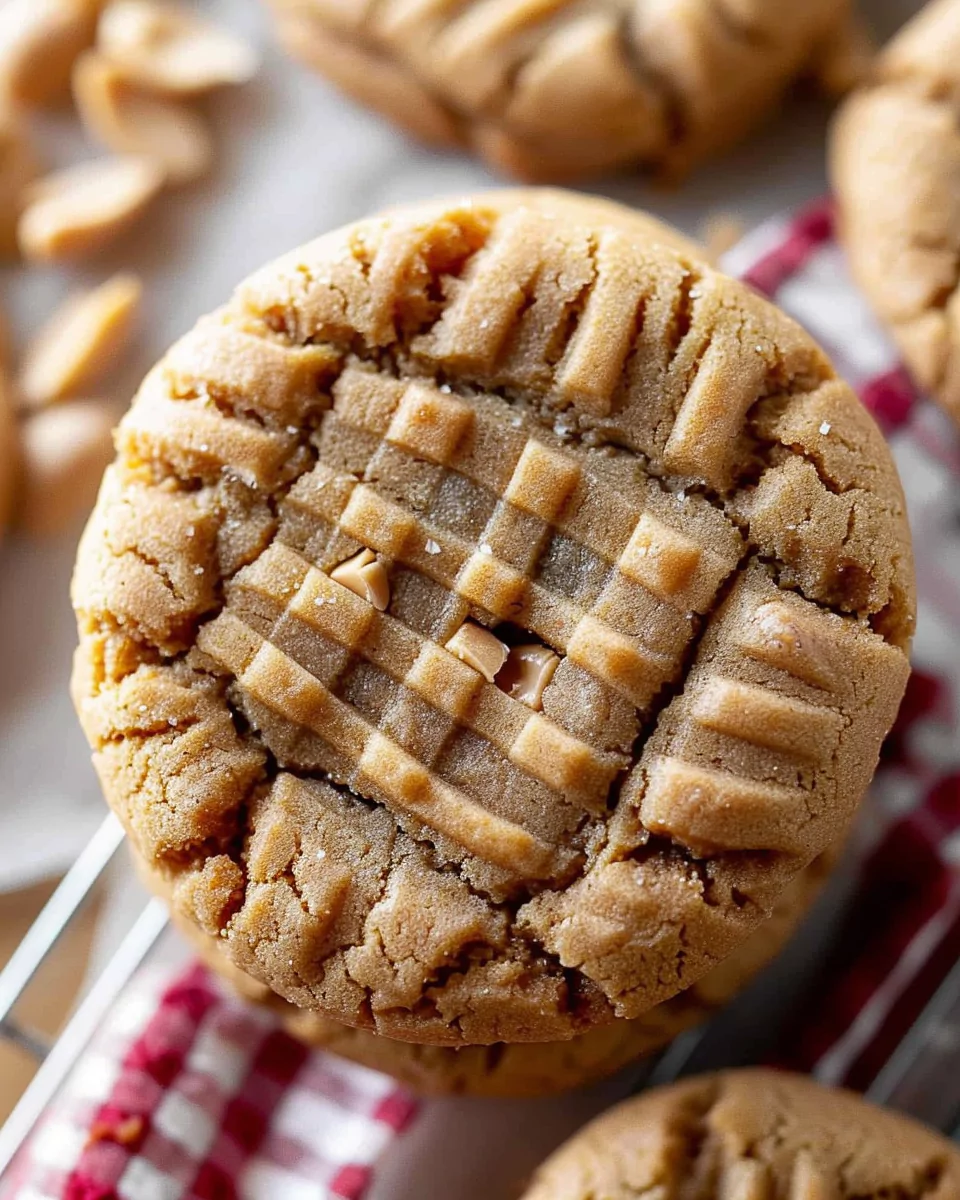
(895, 168)
(489, 611)
(749, 1135)
(560, 90)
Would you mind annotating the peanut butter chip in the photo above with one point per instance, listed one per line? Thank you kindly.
(82, 339)
(365, 577)
(130, 122)
(74, 212)
(478, 648)
(168, 49)
(527, 672)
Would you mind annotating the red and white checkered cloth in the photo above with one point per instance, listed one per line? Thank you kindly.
(187, 1092)
(190, 1094)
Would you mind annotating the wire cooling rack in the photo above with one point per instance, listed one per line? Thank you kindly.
(922, 1077)
(55, 1058)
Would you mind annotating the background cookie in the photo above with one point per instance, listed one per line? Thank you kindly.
(895, 167)
(9, 455)
(750, 1133)
(531, 1068)
(557, 92)
(435, 423)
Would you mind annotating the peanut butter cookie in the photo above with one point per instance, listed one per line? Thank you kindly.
(750, 1134)
(560, 90)
(489, 611)
(895, 167)
(526, 1069)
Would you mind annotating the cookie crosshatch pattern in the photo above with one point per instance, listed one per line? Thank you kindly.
(555, 429)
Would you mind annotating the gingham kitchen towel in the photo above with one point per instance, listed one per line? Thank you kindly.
(189, 1094)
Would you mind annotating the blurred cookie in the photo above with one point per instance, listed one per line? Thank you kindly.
(895, 168)
(9, 451)
(559, 91)
(527, 1069)
(489, 612)
(753, 1134)
(10, 456)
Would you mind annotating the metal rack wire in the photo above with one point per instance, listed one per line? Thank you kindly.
(56, 1058)
(922, 1077)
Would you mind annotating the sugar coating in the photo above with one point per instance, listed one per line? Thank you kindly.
(730, 661)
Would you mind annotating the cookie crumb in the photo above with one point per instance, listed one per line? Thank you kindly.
(124, 1132)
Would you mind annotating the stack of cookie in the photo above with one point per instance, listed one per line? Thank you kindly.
(488, 628)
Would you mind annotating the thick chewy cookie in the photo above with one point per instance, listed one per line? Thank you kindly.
(750, 1135)
(559, 90)
(525, 1069)
(895, 166)
(490, 610)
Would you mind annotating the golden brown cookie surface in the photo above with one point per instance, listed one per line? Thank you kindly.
(753, 1134)
(555, 91)
(895, 167)
(525, 1069)
(548, 432)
